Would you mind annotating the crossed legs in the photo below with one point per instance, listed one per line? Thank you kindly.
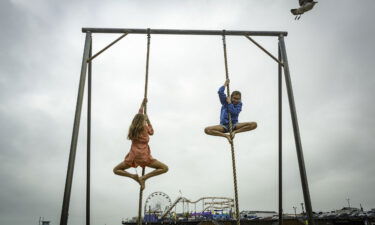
(243, 127)
(219, 130)
(159, 168)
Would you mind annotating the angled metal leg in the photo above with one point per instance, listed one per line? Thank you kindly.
(297, 137)
(73, 145)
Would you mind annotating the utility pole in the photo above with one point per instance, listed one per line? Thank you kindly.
(348, 199)
(295, 211)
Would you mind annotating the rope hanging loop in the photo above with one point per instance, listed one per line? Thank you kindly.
(147, 63)
(230, 131)
(145, 112)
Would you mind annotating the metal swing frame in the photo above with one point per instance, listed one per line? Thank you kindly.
(86, 69)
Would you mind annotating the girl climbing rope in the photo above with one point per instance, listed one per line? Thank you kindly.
(140, 154)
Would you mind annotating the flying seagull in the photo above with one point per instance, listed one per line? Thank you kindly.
(305, 5)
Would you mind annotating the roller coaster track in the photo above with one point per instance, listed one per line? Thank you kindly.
(229, 200)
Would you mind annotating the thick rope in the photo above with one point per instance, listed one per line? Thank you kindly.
(147, 60)
(145, 112)
(230, 131)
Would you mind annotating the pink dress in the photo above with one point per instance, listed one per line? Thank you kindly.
(140, 154)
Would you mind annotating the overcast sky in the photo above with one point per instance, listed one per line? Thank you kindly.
(330, 52)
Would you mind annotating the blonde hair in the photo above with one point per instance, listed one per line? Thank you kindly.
(137, 126)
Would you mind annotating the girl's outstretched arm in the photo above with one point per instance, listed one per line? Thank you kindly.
(141, 109)
(148, 121)
(150, 130)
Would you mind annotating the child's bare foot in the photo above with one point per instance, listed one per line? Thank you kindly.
(227, 136)
(135, 177)
(141, 182)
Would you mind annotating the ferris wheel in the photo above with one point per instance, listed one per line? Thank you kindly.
(157, 203)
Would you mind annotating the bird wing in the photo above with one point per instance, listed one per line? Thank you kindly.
(294, 12)
(302, 2)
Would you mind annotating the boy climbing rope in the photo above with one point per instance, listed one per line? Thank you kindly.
(232, 104)
(140, 154)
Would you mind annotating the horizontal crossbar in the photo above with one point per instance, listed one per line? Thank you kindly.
(185, 32)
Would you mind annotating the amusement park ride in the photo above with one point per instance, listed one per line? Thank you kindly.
(159, 207)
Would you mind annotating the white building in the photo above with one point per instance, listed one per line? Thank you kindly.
(257, 214)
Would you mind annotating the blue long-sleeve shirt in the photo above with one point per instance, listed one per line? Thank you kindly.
(234, 109)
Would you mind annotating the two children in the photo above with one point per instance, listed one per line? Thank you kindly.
(141, 128)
